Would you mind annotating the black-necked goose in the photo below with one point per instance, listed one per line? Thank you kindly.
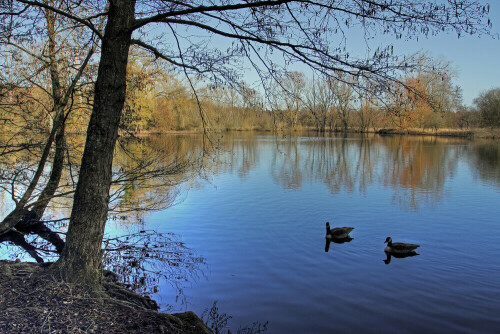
(337, 232)
(399, 247)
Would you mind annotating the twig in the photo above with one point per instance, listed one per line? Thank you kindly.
(46, 318)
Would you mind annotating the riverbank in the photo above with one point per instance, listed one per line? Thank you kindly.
(476, 133)
(33, 302)
(479, 133)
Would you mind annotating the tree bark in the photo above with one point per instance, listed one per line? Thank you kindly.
(81, 257)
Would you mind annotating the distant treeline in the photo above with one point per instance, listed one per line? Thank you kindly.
(158, 101)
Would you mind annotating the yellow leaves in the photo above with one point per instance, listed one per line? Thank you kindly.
(412, 102)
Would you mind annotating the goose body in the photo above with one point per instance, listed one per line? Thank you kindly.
(399, 247)
(338, 232)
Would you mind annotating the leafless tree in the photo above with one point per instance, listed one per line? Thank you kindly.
(48, 78)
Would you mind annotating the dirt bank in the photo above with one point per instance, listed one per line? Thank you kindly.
(33, 302)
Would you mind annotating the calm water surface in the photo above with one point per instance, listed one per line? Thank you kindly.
(260, 218)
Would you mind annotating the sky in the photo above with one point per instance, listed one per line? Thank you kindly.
(476, 59)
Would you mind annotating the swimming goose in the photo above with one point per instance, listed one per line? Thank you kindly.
(399, 247)
(337, 232)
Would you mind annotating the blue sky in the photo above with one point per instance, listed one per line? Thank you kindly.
(476, 59)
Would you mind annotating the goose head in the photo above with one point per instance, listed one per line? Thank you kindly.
(388, 240)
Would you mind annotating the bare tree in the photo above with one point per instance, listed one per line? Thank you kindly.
(294, 84)
(343, 96)
(366, 113)
(319, 103)
(488, 105)
(56, 73)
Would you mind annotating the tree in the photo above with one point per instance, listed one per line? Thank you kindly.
(319, 103)
(51, 80)
(300, 31)
(367, 113)
(488, 104)
(139, 106)
(343, 96)
(466, 117)
(294, 84)
(426, 96)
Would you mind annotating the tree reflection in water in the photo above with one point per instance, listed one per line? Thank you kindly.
(150, 172)
(146, 259)
(485, 160)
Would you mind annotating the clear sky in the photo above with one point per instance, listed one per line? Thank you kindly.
(476, 59)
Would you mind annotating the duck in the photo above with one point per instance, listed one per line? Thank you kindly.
(399, 247)
(337, 232)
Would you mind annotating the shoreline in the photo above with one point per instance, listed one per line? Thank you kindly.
(34, 302)
(476, 133)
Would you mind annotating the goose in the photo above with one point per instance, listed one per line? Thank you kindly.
(399, 247)
(338, 232)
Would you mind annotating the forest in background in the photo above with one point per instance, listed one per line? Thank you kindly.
(159, 101)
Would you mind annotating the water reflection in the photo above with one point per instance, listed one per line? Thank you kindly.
(399, 256)
(145, 260)
(336, 241)
(484, 160)
(415, 168)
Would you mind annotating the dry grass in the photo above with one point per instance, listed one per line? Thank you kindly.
(486, 133)
(448, 132)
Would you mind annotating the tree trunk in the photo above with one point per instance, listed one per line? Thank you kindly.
(81, 257)
(31, 223)
(20, 217)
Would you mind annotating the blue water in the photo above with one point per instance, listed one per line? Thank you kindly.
(259, 220)
(256, 214)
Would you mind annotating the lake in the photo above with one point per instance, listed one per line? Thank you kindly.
(258, 218)
(255, 212)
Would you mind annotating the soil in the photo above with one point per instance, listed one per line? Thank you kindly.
(31, 301)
